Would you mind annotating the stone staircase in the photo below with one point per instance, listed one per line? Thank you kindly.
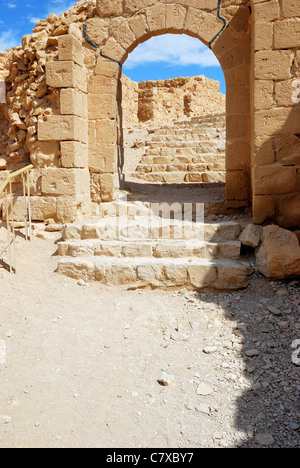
(184, 151)
(135, 244)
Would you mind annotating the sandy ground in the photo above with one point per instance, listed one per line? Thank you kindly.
(91, 366)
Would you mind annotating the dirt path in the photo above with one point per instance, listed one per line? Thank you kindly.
(90, 366)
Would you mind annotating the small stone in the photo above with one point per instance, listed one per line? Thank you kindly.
(5, 419)
(282, 292)
(252, 352)
(264, 439)
(274, 310)
(204, 389)
(294, 426)
(203, 408)
(81, 282)
(165, 380)
(210, 350)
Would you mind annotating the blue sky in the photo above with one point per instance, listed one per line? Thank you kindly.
(161, 57)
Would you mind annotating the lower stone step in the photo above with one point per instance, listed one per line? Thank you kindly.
(163, 273)
(159, 249)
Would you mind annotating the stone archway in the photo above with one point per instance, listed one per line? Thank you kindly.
(116, 31)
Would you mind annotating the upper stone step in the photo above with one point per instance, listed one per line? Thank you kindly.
(126, 229)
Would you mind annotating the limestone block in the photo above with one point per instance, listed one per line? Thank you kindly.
(156, 17)
(108, 68)
(274, 180)
(71, 208)
(204, 25)
(289, 211)
(263, 94)
(45, 154)
(237, 185)
(273, 65)
(287, 34)
(66, 74)
(103, 158)
(268, 11)
(42, 208)
(97, 30)
(250, 236)
(232, 277)
(73, 102)
(278, 257)
(120, 30)
(74, 154)
(109, 185)
(277, 122)
(263, 208)
(113, 50)
(290, 8)
(102, 107)
(139, 26)
(2, 92)
(202, 276)
(109, 8)
(62, 128)
(70, 48)
(67, 182)
(284, 92)
(100, 84)
(133, 6)
(106, 131)
(263, 36)
(175, 17)
(287, 150)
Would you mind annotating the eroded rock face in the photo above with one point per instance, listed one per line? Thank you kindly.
(278, 257)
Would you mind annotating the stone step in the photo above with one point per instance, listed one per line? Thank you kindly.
(199, 274)
(201, 167)
(165, 151)
(112, 228)
(186, 143)
(156, 249)
(204, 158)
(185, 135)
(180, 177)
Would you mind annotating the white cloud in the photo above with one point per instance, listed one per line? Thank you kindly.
(172, 49)
(11, 5)
(8, 39)
(59, 6)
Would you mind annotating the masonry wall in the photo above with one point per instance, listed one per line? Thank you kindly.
(63, 95)
(276, 112)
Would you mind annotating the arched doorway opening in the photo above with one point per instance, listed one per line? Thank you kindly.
(174, 128)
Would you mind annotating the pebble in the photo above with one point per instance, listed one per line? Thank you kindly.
(5, 419)
(274, 310)
(204, 389)
(252, 352)
(265, 439)
(210, 350)
(203, 408)
(165, 379)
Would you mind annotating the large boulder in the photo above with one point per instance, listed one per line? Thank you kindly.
(278, 256)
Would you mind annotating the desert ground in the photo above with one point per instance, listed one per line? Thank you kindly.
(88, 366)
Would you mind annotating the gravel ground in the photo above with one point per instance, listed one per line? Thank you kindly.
(91, 366)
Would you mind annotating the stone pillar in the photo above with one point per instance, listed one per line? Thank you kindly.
(70, 183)
(104, 129)
(276, 124)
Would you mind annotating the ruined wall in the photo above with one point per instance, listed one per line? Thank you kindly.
(179, 97)
(63, 99)
(130, 101)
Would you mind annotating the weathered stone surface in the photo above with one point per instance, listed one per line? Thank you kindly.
(278, 257)
(250, 236)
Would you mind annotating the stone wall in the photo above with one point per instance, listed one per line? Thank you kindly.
(276, 112)
(167, 100)
(180, 97)
(64, 99)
